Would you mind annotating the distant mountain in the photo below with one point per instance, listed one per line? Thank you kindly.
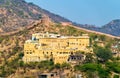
(112, 27)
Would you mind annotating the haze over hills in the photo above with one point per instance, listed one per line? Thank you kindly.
(16, 14)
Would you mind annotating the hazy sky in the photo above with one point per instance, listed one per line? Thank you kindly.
(95, 12)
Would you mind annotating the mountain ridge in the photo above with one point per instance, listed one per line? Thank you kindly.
(16, 14)
(111, 28)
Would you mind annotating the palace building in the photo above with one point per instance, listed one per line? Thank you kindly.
(47, 46)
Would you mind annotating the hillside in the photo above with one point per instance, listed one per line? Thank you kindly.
(19, 20)
(11, 48)
(16, 14)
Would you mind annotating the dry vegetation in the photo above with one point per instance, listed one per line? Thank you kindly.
(11, 48)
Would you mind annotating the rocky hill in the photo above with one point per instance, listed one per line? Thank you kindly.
(112, 27)
(16, 14)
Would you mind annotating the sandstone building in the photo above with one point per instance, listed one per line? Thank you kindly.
(47, 46)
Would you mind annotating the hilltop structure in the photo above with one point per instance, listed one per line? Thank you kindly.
(47, 46)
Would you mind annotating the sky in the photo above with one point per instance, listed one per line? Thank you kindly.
(93, 12)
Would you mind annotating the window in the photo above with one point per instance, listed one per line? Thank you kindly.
(51, 52)
(71, 52)
(27, 52)
(68, 43)
(33, 51)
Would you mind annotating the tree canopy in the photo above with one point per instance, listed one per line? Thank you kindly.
(103, 54)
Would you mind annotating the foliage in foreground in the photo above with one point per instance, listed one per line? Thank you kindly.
(94, 68)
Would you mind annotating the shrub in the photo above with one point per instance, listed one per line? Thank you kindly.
(116, 76)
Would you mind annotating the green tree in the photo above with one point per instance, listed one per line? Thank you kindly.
(93, 36)
(102, 37)
(103, 54)
(21, 63)
(89, 58)
(65, 65)
(113, 66)
(57, 66)
(91, 69)
(21, 55)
